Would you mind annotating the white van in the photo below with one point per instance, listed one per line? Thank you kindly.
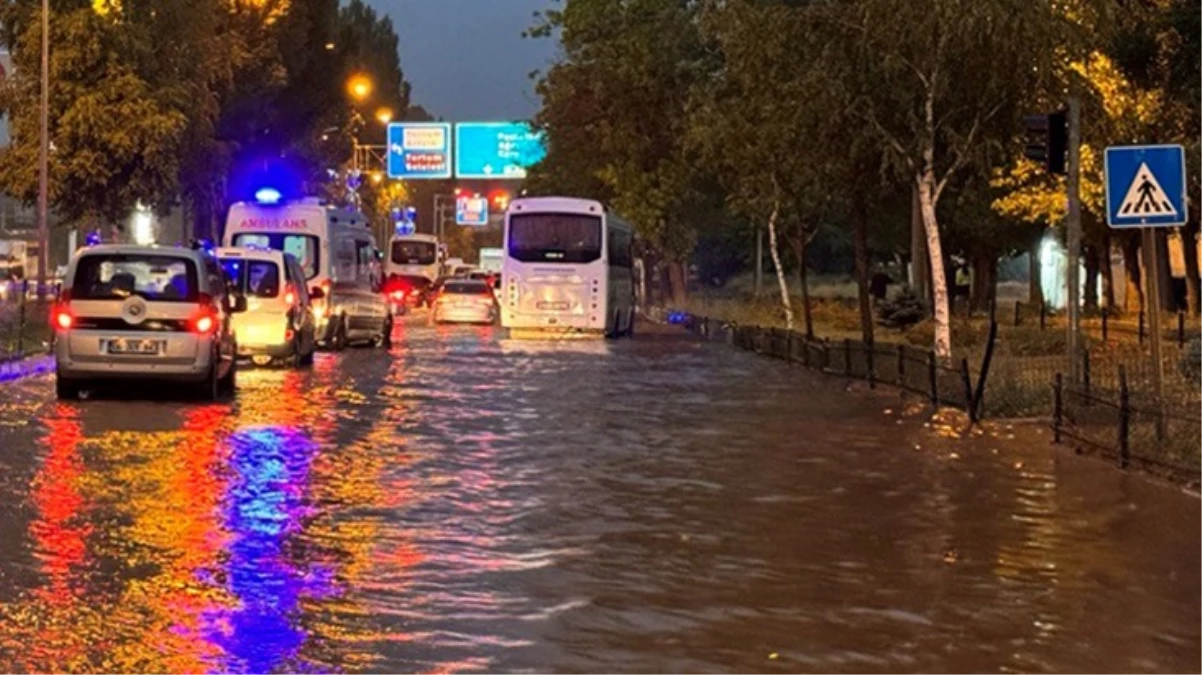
(338, 256)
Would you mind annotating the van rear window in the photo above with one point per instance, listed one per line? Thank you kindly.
(111, 276)
(303, 246)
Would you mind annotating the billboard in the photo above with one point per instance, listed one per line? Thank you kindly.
(492, 150)
(419, 150)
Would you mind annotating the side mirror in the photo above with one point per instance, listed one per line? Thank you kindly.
(238, 304)
(316, 293)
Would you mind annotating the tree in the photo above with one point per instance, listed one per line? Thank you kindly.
(619, 93)
(939, 82)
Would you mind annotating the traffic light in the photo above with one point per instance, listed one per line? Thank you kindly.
(1047, 140)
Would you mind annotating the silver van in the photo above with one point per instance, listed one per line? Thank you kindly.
(148, 313)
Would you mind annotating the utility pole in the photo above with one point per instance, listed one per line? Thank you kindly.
(44, 157)
(1074, 239)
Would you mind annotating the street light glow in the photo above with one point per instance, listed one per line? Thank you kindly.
(384, 115)
(360, 87)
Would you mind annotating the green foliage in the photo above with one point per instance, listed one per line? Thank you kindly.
(904, 309)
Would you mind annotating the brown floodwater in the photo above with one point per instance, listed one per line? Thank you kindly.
(471, 503)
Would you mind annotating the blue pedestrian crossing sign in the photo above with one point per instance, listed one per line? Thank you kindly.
(1145, 186)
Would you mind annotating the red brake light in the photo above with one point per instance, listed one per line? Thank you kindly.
(204, 324)
(290, 298)
(398, 295)
(63, 319)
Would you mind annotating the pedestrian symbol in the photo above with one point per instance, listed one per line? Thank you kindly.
(1146, 197)
(1145, 186)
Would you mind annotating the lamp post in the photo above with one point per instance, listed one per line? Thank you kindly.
(44, 157)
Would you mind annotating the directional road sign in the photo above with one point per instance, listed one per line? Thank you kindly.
(1145, 186)
(491, 150)
(419, 150)
(471, 211)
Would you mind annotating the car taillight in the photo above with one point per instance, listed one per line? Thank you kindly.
(63, 319)
(289, 334)
(205, 324)
(398, 295)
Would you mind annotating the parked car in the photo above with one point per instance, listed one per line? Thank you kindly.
(148, 313)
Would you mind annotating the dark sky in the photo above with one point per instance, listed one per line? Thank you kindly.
(466, 59)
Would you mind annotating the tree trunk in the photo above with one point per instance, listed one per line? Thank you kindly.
(1104, 253)
(1135, 283)
(941, 311)
(1089, 292)
(982, 282)
(676, 282)
(1189, 251)
(806, 307)
(862, 264)
(1035, 292)
(774, 250)
(920, 274)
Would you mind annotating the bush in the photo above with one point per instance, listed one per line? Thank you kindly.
(1191, 361)
(904, 309)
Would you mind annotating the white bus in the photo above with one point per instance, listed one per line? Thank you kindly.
(567, 269)
(337, 254)
(411, 266)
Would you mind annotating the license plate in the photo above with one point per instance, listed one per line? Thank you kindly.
(553, 305)
(143, 347)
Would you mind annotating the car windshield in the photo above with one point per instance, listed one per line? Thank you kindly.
(255, 278)
(555, 237)
(414, 253)
(466, 288)
(116, 276)
(304, 247)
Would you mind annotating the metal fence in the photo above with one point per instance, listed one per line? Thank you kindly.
(1161, 437)
(904, 366)
(1177, 327)
(24, 319)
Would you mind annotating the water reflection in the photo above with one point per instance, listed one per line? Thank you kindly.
(264, 508)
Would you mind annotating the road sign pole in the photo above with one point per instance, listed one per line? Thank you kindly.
(1074, 239)
(1152, 307)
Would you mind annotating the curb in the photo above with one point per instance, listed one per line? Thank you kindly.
(15, 368)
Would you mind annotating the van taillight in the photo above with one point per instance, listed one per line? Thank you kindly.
(63, 319)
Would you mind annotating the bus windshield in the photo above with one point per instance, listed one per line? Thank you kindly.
(304, 246)
(555, 237)
(414, 253)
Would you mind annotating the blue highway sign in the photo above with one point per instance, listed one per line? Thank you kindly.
(485, 150)
(1145, 186)
(419, 150)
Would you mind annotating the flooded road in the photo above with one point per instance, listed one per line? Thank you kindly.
(469, 503)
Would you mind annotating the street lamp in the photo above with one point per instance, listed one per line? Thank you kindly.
(359, 87)
(384, 115)
(44, 157)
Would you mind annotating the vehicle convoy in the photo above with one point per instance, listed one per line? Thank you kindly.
(410, 269)
(337, 256)
(278, 324)
(464, 301)
(145, 312)
(567, 270)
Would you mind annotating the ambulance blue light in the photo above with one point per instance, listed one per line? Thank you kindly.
(268, 196)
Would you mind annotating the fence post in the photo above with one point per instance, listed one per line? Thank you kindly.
(847, 356)
(1124, 419)
(1105, 314)
(1141, 328)
(901, 366)
(988, 359)
(789, 348)
(21, 318)
(1043, 315)
(1085, 373)
(826, 353)
(966, 380)
(805, 352)
(934, 378)
(1017, 309)
(1057, 407)
(870, 352)
(1180, 329)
